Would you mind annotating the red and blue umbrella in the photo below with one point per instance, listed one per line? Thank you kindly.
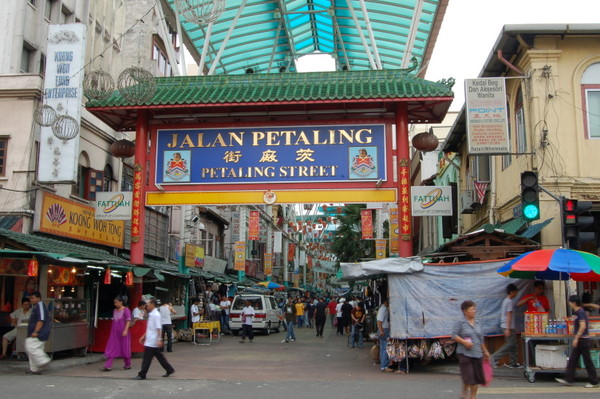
(554, 264)
(271, 285)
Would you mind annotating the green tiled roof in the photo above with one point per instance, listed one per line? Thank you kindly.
(45, 244)
(286, 87)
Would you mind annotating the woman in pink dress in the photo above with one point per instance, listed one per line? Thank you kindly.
(119, 342)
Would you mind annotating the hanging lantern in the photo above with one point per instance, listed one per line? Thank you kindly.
(426, 141)
(122, 149)
(44, 115)
(98, 85)
(32, 267)
(129, 278)
(136, 85)
(200, 12)
(107, 276)
(65, 127)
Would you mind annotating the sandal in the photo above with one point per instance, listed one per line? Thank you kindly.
(399, 372)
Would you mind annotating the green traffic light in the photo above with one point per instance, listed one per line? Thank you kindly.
(531, 212)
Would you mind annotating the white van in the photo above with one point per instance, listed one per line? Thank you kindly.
(266, 313)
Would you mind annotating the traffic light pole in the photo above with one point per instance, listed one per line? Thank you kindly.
(560, 207)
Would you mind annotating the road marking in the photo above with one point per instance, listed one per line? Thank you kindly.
(537, 390)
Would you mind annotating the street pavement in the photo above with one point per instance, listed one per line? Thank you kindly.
(267, 368)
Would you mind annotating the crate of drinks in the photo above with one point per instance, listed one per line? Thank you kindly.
(536, 323)
(595, 355)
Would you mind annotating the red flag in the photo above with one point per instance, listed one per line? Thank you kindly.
(366, 219)
(254, 225)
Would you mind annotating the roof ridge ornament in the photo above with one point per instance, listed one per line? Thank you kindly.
(447, 82)
(414, 63)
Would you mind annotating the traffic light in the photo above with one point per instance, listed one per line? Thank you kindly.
(577, 217)
(530, 196)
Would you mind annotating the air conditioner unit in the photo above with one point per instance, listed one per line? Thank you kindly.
(466, 202)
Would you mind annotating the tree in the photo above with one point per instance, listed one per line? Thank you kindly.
(348, 244)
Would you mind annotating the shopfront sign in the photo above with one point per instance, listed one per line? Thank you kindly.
(290, 154)
(66, 218)
(63, 92)
(113, 205)
(431, 201)
(487, 116)
(194, 255)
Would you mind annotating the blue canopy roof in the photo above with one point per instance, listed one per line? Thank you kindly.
(270, 35)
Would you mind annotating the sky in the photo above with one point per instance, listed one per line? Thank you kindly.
(471, 27)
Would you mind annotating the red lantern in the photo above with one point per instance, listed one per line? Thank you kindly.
(129, 278)
(122, 149)
(107, 276)
(32, 267)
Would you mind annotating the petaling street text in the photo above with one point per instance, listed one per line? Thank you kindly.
(271, 138)
(269, 171)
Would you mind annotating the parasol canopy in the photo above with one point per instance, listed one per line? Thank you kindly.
(554, 264)
(271, 285)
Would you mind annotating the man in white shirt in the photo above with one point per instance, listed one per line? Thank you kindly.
(195, 310)
(152, 340)
(383, 325)
(247, 316)
(139, 313)
(19, 316)
(167, 325)
(225, 304)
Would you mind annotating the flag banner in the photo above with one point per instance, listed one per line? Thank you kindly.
(366, 221)
(240, 256)
(394, 231)
(268, 264)
(380, 245)
(480, 189)
(254, 226)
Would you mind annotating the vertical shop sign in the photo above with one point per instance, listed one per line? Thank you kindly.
(268, 264)
(404, 211)
(254, 226)
(63, 92)
(240, 256)
(291, 252)
(394, 231)
(366, 221)
(136, 208)
(380, 246)
(487, 116)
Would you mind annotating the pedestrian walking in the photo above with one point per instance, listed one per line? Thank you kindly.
(320, 317)
(339, 314)
(346, 316)
(38, 331)
(580, 346)
(225, 305)
(358, 316)
(383, 326)
(470, 350)
(153, 342)
(289, 315)
(309, 313)
(299, 313)
(119, 340)
(332, 312)
(507, 323)
(247, 317)
(166, 310)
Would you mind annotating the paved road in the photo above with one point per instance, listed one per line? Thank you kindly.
(268, 368)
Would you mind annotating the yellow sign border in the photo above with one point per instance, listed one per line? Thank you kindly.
(164, 198)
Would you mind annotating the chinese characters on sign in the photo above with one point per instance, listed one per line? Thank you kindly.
(136, 209)
(288, 154)
(394, 232)
(487, 118)
(253, 226)
(268, 264)
(404, 212)
(380, 246)
(366, 222)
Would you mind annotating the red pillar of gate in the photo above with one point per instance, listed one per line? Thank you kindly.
(404, 183)
(138, 216)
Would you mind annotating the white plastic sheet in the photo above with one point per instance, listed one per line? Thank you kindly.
(362, 270)
(427, 304)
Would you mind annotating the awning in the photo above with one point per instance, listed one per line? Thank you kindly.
(534, 229)
(513, 225)
(376, 268)
(53, 246)
(50, 255)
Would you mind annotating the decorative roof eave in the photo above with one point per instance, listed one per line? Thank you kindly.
(266, 103)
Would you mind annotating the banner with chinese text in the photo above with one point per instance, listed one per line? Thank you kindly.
(380, 246)
(394, 232)
(366, 222)
(253, 225)
(268, 264)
